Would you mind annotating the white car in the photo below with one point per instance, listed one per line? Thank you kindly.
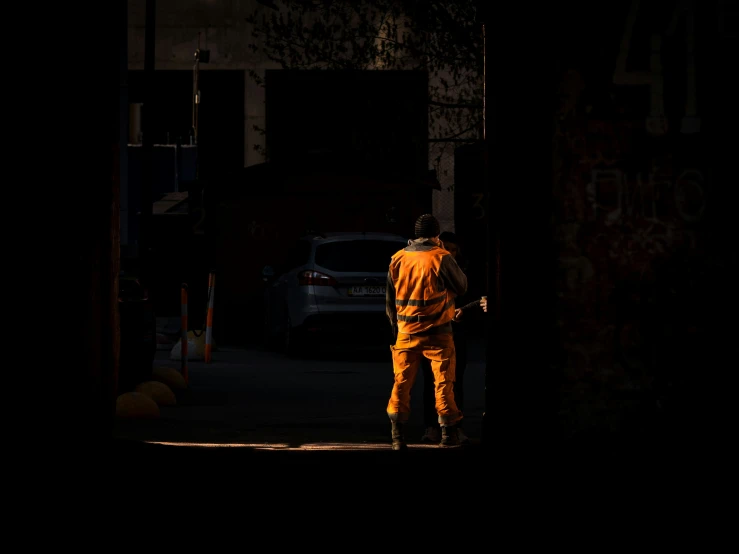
(331, 288)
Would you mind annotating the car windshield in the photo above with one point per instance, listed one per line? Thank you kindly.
(370, 256)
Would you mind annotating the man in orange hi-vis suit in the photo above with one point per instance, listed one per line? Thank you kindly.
(422, 283)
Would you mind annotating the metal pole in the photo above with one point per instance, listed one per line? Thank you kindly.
(484, 83)
(196, 93)
(209, 317)
(183, 332)
(492, 208)
(147, 173)
(124, 118)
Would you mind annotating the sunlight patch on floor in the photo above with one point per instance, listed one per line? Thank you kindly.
(282, 446)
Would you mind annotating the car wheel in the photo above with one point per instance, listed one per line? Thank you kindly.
(269, 339)
(291, 340)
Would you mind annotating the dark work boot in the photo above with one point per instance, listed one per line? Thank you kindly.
(398, 436)
(449, 436)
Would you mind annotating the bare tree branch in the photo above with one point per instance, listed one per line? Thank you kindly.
(440, 37)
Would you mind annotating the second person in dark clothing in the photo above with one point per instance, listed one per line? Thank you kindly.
(466, 312)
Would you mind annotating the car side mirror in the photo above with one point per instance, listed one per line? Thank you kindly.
(268, 273)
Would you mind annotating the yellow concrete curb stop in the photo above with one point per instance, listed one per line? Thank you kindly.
(158, 392)
(170, 377)
(136, 405)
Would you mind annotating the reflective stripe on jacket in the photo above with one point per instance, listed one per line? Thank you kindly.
(422, 300)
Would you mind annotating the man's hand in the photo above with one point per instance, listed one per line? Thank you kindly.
(484, 303)
(457, 314)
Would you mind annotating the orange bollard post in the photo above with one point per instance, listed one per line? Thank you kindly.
(209, 318)
(183, 340)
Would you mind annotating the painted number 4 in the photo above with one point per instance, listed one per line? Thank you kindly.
(657, 123)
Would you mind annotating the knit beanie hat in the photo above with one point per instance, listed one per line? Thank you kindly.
(427, 226)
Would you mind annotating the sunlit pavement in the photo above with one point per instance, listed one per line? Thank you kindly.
(196, 457)
(332, 447)
(252, 400)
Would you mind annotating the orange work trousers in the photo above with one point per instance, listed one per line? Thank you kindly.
(407, 354)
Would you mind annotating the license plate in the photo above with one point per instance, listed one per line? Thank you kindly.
(366, 291)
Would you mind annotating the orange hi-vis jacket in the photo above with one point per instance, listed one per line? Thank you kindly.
(421, 299)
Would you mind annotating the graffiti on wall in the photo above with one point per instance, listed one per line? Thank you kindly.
(646, 195)
(632, 195)
(682, 19)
